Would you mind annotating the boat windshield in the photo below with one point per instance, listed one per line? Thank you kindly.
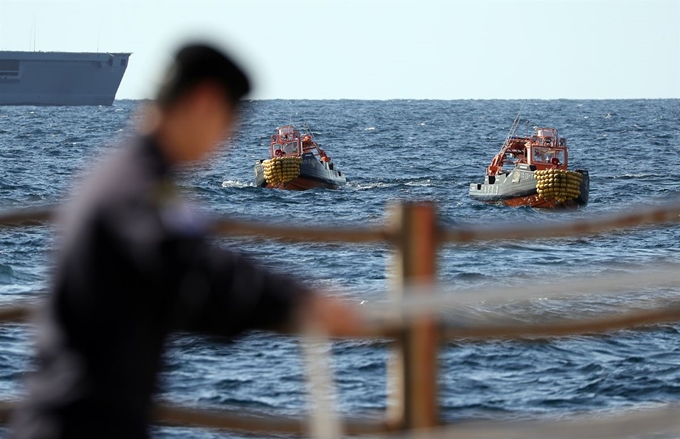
(286, 142)
(546, 132)
(546, 155)
(290, 148)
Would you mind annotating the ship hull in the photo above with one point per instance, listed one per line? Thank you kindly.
(313, 174)
(60, 78)
(518, 189)
(39, 99)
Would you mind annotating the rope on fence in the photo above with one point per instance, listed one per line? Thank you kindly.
(387, 318)
(444, 299)
(460, 323)
(423, 301)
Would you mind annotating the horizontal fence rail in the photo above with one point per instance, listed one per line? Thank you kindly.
(16, 313)
(643, 216)
(558, 329)
(630, 424)
(229, 227)
(237, 421)
(27, 216)
(664, 421)
(226, 420)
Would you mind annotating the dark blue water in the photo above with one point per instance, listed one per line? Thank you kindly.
(391, 151)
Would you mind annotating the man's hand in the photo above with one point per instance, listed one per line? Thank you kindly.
(333, 316)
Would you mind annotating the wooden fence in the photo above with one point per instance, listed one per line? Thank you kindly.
(415, 234)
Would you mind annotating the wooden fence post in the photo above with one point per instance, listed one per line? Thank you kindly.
(412, 376)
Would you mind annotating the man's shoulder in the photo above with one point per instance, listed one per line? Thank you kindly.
(126, 178)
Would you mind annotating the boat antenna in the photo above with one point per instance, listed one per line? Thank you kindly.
(30, 37)
(35, 30)
(515, 124)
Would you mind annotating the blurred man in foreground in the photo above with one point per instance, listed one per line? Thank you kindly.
(135, 264)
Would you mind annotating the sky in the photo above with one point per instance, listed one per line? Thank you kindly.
(379, 49)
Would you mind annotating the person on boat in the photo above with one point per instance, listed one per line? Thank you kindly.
(307, 144)
(135, 263)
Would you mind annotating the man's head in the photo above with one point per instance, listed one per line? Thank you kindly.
(196, 64)
(198, 101)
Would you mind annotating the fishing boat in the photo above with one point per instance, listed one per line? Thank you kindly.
(533, 171)
(296, 162)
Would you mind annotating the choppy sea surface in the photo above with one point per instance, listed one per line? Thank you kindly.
(390, 151)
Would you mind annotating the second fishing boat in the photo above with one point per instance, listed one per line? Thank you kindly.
(296, 162)
(539, 176)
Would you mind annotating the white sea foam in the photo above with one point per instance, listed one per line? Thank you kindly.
(424, 183)
(236, 183)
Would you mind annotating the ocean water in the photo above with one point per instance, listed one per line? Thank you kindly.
(391, 151)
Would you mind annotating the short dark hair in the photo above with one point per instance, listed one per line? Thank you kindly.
(196, 63)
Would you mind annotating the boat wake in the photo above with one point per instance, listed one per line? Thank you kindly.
(368, 186)
(236, 184)
(392, 183)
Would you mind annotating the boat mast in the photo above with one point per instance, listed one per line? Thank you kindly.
(515, 124)
(496, 165)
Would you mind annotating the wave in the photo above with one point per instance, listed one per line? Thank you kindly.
(630, 176)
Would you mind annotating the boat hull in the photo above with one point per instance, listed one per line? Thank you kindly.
(518, 188)
(313, 174)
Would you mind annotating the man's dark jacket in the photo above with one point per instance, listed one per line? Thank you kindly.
(133, 265)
